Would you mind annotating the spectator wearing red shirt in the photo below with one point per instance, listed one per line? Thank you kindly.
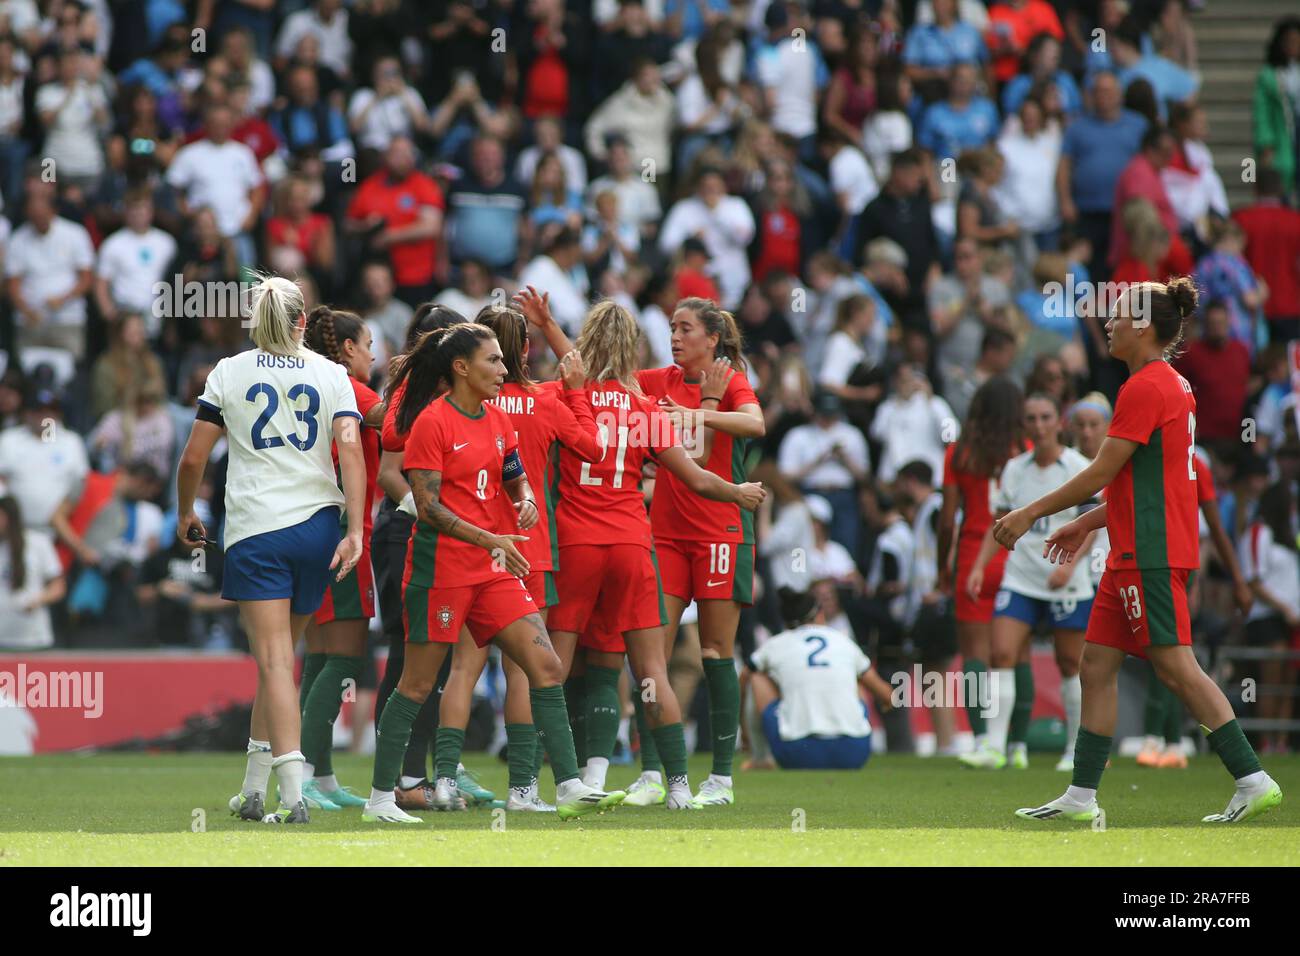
(401, 211)
(780, 211)
(296, 237)
(1218, 369)
(1141, 180)
(1273, 250)
(693, 280)
(1011, 26)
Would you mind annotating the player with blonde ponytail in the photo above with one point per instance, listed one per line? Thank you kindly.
(278, 406)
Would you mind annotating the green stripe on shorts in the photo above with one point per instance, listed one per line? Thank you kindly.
(346, 596)
(742, 586)
(552, 593)
(659, 586)
(1162, 622)
(416, 601)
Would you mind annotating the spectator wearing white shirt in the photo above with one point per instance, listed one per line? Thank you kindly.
(642, 110)
(131, 261)
(787, 68)
(723, 223)
(808, 687)
(1026, 195)
(42, 463)
(548, 137)
(828, 457)
(912, 423)
(75, 114)
(638, 200)
(390, 108)
(223, 174)
(240, 52)
(48, 267)
(470, 292)
(13, 147)
(784, 526)
(327, 21)
(559, 271)
(31, 579)
(854, 352)
(852, 182)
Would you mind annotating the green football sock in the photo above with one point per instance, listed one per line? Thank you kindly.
(1091, 751)
(521, 748)
(575, 699)
(724, 711)
(322, 709)
(602, 711)
(451, 741)
(671, 744)
(973, 668)
(1024, 707)
(1158, 698)
(649, 752)
(539, 752)
(551, 719)
(311, 667)
(391, 738)
(1173, 731)
(1230, 743)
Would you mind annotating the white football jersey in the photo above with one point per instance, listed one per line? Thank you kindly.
(279, 414)
(1027, 571)
(817, 669)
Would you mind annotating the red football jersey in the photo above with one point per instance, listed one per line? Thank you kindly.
(678, 513)
(1151, 513)
(541, 419)
(975, 493)
(1205, 490)
(367, 399)
(393, 440)
(469, 451)
(601, 502)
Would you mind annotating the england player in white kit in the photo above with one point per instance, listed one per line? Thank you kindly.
(1033, 590)
(279, 406)
(806, 684)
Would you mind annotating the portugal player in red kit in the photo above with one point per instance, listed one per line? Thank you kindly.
(607, 568)
(1147, 466)
(463, 566)
(706, 548)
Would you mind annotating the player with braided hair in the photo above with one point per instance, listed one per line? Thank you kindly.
(336, 635)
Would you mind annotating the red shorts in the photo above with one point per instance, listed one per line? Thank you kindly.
(351, 599)
(541, 585)
(620, 579)
(707, 570)
(1136, 609)
(599, 636)
(437, 615)
(965, 608)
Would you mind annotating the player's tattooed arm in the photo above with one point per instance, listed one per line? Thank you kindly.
(427, 488)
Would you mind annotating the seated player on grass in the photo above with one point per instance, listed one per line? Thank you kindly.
(807, 684)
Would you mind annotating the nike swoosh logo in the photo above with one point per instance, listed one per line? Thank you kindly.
(460, 446)
(714, 584)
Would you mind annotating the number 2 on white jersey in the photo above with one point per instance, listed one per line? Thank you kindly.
(619, 454)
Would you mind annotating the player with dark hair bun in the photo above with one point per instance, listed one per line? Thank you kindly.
(1147, 466)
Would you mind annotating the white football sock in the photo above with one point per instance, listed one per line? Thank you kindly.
(406, 783)
(654, 776)
(1253, 781)
(1150, 741)
(718, 778)
(593, 775)
(288, 771)
(564, 790)
(1080, 795)
(328, 784)
(1004, 701)
(680, 785)
(258, 771)
(308, 770)
(1072, 702)
(382, 797)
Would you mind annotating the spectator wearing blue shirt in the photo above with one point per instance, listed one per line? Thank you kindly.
(933, 49)
(307, 122)
(688, 19)
(1097, 147)
(963, 121)
(1042, 66)
(1172, 84)
(486, 210)
(160, 75)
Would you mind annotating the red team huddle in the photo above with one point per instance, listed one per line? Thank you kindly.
(532, 528)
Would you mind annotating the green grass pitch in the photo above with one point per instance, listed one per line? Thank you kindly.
(140, 809)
